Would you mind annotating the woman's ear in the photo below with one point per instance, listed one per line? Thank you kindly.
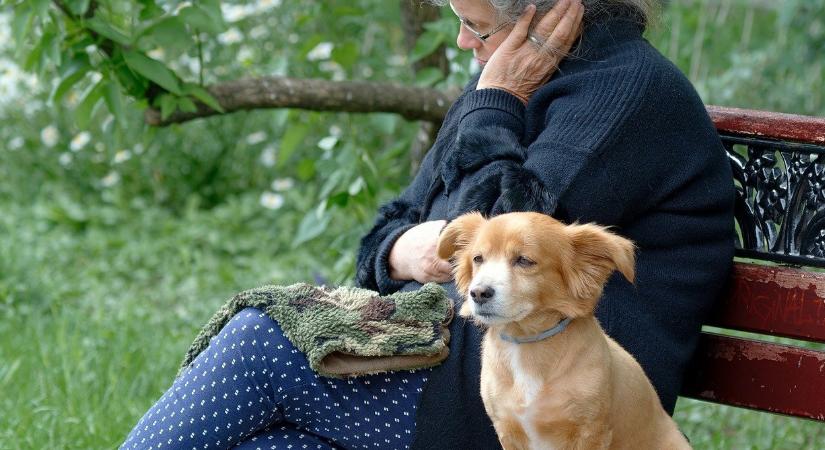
(458, 233)
(596, 254)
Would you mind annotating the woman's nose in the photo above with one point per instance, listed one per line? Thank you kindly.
(466, 40)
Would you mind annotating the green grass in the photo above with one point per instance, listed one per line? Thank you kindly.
(95, 320)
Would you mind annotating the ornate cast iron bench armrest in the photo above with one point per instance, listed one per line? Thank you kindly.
(778, 163)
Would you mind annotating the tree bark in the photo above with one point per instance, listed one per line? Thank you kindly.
(413, 103)
(414, 14)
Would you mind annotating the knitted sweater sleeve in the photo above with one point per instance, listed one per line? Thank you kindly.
(495, 171)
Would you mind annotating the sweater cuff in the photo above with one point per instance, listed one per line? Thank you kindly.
(387, 285)
(484, 107)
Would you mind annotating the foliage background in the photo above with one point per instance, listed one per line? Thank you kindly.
(118, 241)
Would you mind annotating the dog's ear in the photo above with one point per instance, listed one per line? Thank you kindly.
(454, 238)
(596, 254)
(458, 233)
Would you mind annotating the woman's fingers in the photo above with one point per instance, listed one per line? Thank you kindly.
(550, 21)
(519, 33)
(567, 29)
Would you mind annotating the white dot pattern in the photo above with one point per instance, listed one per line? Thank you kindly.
(252, 389)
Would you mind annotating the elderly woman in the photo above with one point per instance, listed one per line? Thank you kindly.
(611, 133)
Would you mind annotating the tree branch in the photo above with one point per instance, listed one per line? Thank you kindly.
(413, 103)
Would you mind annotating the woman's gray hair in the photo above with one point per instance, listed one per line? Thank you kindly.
(645, 10)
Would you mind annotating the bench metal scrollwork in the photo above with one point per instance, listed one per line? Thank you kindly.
(780, 199)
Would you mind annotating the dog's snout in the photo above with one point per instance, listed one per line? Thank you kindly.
(482, 294)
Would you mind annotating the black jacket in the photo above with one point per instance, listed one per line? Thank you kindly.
(618, 136)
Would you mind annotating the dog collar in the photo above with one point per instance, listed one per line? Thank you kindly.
(541, 336)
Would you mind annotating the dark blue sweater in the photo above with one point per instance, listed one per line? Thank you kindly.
(618, 136)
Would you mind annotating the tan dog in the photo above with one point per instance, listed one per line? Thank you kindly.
(551, 378)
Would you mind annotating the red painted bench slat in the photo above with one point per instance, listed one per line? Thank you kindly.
(779, 301)
(758, 375)
(771, 125)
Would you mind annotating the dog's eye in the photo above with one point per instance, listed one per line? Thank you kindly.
(478, 259)
(524, 261)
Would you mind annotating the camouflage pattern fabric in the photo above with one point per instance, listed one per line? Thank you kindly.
(348, 331)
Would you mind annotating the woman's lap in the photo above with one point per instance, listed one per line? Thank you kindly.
(252, 378)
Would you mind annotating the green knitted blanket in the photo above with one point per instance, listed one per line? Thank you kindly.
(348, 331)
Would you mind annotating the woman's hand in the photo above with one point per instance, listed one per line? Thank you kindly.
(524, 62)
(414, 256)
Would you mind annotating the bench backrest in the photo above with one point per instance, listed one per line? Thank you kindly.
(778, 163)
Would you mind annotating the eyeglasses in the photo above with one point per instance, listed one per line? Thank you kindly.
(485, 36)
(481, 37)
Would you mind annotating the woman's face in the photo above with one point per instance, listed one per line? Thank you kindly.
(479, 15)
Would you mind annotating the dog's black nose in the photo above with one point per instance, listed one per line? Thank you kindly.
(482, 294)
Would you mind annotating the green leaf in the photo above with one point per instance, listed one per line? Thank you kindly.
(203, 95)
(105, 29)
(345, 54)
(114, 101)
(202, 19)
(75, 73)
(22, 22)
(84, 111)
(312, 225)
(149, 10)
(293, 136)
(78, 7)
(34, 59)
(52, 47)
(428, 76)
(305, 169)
(40, 7)
(187, 105)
(168, 105)
(427, 43)
(169, 33)
(153, 70)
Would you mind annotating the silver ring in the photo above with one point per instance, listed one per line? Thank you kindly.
(535, 40)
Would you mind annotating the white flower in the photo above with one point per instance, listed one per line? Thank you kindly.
(327, 143)
(271, 200)
(80, 141)
(138, 148)
(263, 5)
(282, 184)
(259, 32)
(110, 180)
(335, 68)
(269, 156)
(230, 36)
(335, 130)
(156, 53)
(72, 99)
(256, 138)
(16, 143)
(49, 136)
(397, 60)
(233, 13)
(122, 156)
(244, 54)
(321, 51)
(65, 159)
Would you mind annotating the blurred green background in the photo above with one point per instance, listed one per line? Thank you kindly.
(119, 240)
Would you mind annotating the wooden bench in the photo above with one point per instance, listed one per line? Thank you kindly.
(778, 163)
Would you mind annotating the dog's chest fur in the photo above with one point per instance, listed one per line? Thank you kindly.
(531, 402)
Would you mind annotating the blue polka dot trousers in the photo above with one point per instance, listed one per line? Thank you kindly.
(252, 389)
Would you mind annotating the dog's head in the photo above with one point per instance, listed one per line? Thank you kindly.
(517, 264)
